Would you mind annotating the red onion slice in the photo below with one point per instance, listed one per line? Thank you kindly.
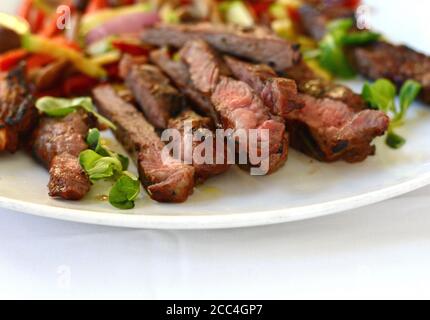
(130, 23)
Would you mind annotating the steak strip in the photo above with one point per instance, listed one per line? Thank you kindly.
(57, 143)
(335, 123)
(17, 112)
(396, 63)
(204, 127)
(279, 94)
(238, 106)
(259, 45)
(178, 73)
(310, 83)
(165, 181)
(152, 90)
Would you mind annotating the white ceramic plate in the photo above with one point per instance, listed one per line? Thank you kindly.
(303, 189)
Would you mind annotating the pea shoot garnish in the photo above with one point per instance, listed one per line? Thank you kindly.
(331, 49)
(61, 107)
(381, 95)
(101, 163)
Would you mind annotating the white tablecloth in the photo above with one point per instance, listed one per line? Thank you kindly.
(374, 252)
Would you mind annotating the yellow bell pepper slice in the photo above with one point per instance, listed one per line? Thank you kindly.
(15, 23)
(38, 44)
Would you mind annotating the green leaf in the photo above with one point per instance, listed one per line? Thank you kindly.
(125, 162)
(125, 192)
(380, 95)
(93, 138)
(55, 107)
(395, 141)
(88, 158)
(360, 38)
(343, 25)
(366, 93)
(61, 107)
(94, 142)
(106, 167)
(104, 120)
(101, 163)
(408, 93)
(85, 102)
(332, 57)
(98, 167)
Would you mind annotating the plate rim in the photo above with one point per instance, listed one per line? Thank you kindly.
(216, 221)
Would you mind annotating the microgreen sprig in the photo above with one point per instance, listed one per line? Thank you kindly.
(331, 49)
(101, 163)
(381, 95)
(61, 107)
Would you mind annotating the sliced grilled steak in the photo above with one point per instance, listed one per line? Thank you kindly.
(200, 125)
(205, 66)
(152, 90)
(397, 63)
(168, 181)
(259, 45)
(49, 76)
(238, 106)
(329, 130)
(309, 83)
(57, 143)
(178, 73)
(334, 123)
(17, 112)
(279, 94)
(68, 181)
(127, 63)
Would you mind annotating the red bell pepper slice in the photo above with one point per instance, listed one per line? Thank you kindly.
(260, 7)
(113, 72)
(294, 14)
(39, 21)
(55, 92)
(353, 4)
(11, 58)
(130, 48)
(78, 85)
(38, 61)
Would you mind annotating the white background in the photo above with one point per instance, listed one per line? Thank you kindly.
(380, 251)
